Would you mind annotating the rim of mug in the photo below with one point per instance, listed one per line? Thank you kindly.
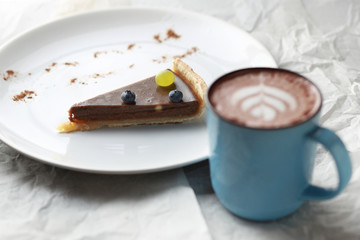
(238, 71)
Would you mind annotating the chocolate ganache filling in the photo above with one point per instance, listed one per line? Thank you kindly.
(152, 101)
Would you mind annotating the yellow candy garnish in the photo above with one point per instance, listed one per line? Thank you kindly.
(165, 78)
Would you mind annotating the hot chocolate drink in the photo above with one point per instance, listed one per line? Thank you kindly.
(265, 98)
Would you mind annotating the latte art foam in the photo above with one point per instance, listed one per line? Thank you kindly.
(265, 99)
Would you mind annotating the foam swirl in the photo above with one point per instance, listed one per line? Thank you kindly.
(263, 101)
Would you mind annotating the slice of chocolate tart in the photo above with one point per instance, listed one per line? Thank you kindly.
(143, 103)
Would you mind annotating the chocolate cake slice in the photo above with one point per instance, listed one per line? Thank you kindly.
(152, 104)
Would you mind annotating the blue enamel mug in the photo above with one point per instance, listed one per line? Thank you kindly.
(265, 174)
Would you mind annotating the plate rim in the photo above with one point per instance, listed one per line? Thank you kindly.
(45, 160)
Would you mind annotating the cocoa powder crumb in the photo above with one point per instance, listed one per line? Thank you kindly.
(71, 63)
(162, 59)
(73, 80)
(131, 66)
(9, 74)
(98, 75)
(26, 94)
(171, 34)
(188, 52)
(48, 69)
(195, 49)
(157, 38)
(131, 46)
(96, 54)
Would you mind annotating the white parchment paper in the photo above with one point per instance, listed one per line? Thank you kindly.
(42, 202)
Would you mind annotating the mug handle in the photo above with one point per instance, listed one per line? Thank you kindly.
(343, 164)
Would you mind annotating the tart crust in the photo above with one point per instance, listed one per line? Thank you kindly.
(185, 72)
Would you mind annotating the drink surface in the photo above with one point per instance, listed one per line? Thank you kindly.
(265, 98)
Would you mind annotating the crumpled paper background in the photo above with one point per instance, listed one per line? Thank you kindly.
(42, 202)
(319, 39)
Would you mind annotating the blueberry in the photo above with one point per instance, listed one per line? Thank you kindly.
(175, 96)
(128, 97)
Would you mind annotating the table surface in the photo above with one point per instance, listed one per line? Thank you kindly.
(319, 39)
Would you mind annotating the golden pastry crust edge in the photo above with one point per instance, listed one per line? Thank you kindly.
(196, 83)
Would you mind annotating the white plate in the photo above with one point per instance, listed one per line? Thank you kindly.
(30, 126)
